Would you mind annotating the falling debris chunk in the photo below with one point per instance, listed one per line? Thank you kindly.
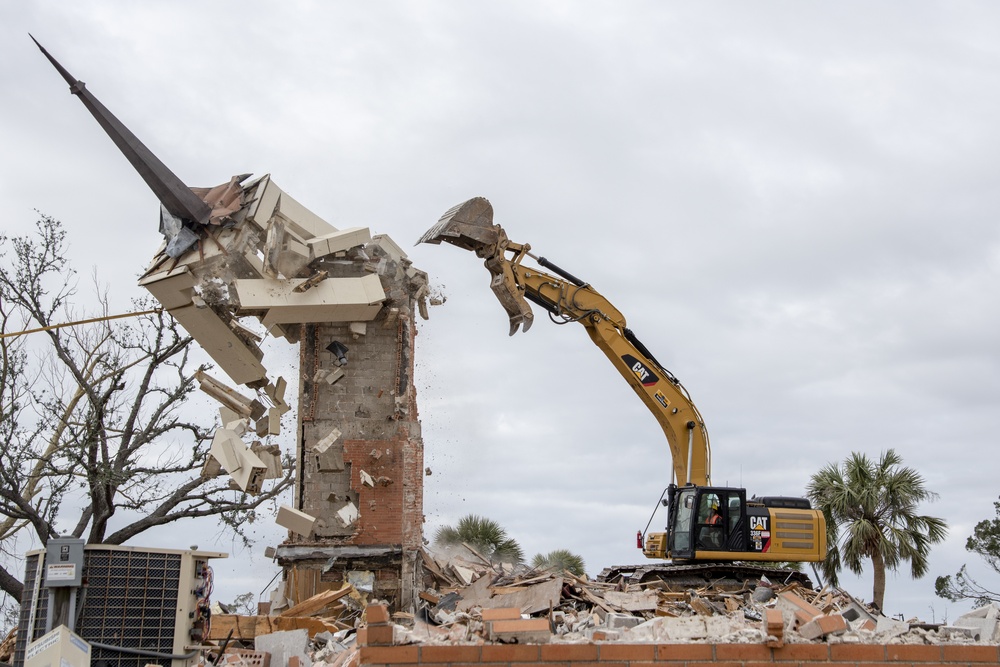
(312, 281)
(295, 520)
(242, 464)
(347, 514)
(228, 397)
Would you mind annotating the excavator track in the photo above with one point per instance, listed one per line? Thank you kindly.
(722, 576)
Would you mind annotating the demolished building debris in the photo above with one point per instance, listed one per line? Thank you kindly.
(248, 249)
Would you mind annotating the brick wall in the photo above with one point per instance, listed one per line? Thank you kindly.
(683, 655)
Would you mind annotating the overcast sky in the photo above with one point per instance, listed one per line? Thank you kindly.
(793, 203)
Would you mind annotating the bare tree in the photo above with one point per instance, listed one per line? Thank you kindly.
(94, 439)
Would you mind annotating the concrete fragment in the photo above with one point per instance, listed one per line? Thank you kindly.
(285, 645)
(366, 479)
(522, 631)
(338, 241)
(986, 621)
(645, 600)
(237, 426)
(615, 621)
(684, 628)
(270, 456)
(173, 288)
(333, 300)
(389, 246)
(823, 626)
(269, 201)
(212, 467)
(227, 396)
(227, 415)
(890, 627)
(464, 574)
(244, 466)
(802, 611)
(357, 329)
(331, 460)
(237, 359)
(273, 421)
(333, 375)
(952, 631)
(347, 514)
(855, 611)
(324, 444)
(295, 520)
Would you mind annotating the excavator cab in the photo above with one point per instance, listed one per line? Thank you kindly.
(718, 523)
(707, 519)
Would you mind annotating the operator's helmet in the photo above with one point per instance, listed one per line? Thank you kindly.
(714, 503)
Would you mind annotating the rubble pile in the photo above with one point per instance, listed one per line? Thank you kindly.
(467, 600)
(473, 596)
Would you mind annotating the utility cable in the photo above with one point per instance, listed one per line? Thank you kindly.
(79, 322)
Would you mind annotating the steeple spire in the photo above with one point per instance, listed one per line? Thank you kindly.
(176, 197)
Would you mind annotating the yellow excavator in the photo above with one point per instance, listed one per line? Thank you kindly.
(713, 533)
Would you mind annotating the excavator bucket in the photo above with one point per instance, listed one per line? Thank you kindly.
(470, 226)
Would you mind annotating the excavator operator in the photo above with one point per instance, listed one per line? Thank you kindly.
(711, 533)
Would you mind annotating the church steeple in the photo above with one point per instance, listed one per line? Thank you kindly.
(176, 197)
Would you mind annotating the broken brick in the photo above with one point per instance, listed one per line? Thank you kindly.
(822, 626)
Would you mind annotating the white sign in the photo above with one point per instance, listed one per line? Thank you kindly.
(60, 572)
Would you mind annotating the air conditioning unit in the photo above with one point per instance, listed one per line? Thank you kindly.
(136, 606)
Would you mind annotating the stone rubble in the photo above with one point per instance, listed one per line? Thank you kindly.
(466, 601)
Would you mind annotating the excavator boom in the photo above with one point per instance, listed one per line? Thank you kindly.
(569, 299)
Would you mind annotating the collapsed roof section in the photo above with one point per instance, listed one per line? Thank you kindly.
(270, 258)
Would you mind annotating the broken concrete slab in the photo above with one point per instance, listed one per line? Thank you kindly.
(285, 645)
(269, 202)
(340, 300)
(645, 600)
(522, 631)
(338, 241)
(242, 464)
(237, 360)
(324, 444)
(227, 396)
(173, 288)
(347, 515)
(295, 520)
(985, 621)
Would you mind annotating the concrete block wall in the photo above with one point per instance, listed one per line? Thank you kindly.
(684, 655)
(366, 487)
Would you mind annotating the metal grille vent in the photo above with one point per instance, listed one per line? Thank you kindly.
(129, 599)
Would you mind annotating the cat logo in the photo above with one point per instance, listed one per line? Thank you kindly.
(758, 523)
(646, 376)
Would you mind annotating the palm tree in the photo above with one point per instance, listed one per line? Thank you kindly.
(871, 512)
(560, 560)
(484, 535)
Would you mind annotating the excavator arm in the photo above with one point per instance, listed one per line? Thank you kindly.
(568, 299)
